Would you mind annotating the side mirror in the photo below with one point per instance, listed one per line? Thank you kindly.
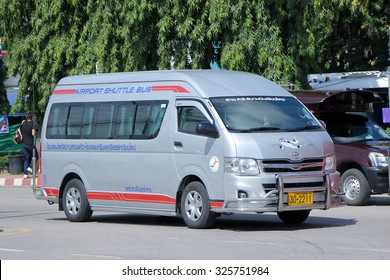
(207, 129)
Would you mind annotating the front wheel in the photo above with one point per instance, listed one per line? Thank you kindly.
(75, 202)
(294, 217)
(356, 188)
(195, 206)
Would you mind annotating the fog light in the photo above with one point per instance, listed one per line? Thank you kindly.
(242, 194)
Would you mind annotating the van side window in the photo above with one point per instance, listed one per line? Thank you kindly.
(188, 118)
(87, 120)
(73, 127)
(141, 117)
(148, 119)
(56, 125)
(124, 120)
(106, 120)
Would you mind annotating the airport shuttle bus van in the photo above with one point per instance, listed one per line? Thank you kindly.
(193, 143)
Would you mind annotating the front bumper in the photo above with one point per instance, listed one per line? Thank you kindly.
(378, 179)
(325, 188)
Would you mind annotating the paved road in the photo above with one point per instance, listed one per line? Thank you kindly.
(32, 229)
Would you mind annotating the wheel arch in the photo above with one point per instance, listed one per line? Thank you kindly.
(344, 166)
(64, 181)
(183, 183)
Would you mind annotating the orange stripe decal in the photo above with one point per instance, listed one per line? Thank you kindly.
(171, 88)
(64, 91)
(132, 197)
(216, 204)
(51, 192)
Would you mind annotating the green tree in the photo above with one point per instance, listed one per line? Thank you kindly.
(333, 36)
(358, 39)
(283, 40)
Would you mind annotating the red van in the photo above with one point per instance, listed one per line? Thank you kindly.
(362, 146)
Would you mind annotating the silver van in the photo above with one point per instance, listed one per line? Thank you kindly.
(194, 143)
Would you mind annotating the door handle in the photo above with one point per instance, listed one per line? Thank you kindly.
(178, 144)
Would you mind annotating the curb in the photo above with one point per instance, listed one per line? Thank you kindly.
(18, 182)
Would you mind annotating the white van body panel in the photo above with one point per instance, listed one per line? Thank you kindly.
(270, 146)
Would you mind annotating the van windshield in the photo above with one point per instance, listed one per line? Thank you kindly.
(347, 128)
(264, 114)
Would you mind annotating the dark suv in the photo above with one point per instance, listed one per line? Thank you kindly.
(362, 153)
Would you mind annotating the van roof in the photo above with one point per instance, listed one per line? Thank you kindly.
(208, 83)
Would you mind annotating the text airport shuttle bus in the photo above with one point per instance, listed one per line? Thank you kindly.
(195, 143)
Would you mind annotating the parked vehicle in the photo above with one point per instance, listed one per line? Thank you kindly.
(362, 146)
(192, 143)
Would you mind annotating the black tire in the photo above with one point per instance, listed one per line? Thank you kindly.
(294, 217)
(356, 188)
(75, 202)
(195, 206)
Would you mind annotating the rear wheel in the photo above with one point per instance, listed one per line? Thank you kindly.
(75, 202)
(355, 186)
(294, 217)
(195, 206)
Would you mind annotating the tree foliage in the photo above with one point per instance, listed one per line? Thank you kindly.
(283, 40)
(359, 37)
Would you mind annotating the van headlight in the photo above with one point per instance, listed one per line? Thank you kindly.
(330, 163)
(242, 166)
(378, 159)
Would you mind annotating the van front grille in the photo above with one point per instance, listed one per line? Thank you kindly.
(279, 166)
(270, 187)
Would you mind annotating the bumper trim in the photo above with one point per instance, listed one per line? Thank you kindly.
(275, 200)
(41, 194)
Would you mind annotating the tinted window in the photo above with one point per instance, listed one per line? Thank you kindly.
(262, 113)
(345, 128)
(87, 120)
(73, 127)
(124, 121)
(104, 121)
(56, 125)
(148, 119)
(119, 120)
(188, 118)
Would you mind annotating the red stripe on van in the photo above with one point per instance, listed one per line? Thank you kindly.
(216, 204)
(133, 197)
(171, 88)
(64, 91)
(51, 191)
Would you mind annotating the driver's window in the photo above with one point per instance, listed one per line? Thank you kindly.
(188, 118)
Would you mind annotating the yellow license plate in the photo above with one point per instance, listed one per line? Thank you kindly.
(300, 198)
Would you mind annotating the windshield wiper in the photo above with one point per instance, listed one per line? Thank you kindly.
(305, 127)
(255, 129)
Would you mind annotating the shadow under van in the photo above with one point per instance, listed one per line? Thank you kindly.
(362, 147)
